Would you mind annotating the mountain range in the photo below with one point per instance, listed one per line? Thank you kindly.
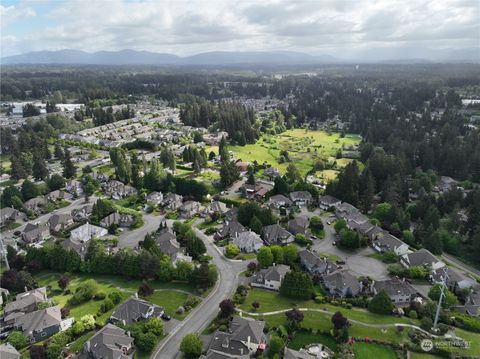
(222, 58)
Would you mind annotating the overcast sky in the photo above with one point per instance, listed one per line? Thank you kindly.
(339, 28)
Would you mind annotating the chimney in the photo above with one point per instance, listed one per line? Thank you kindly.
(136, 295)
(248, 342)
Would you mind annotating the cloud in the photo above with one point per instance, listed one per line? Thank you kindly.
(187, 27)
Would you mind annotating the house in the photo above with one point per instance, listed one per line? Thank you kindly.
(279, 200)
(35, 204)
(316, 265)
(269, 278)
(355, 218)
(230, 230)
(7, 351)
(244, 336)
(59, 195)
(361, 228)
(100, 177)
(9, 215)
(86, 232)
(179, 256)
(400, 292)
(276, 234)
(471, 305)
(301, 198)
(374, 232)
(118, 190)
(155, 198)
(134, 310)
(422, 257)
(74, 187)
(117, 218)
(248, 241)
(172, 201)
(231, 215)
(341, 284)
(326, 202)
(454, 280)
(215, 208)
(60, 222)
(35, 233)
(189, 209)
(25, 303)
(298, 225)
(83, 213)
(258, 190)
(110, 342)
(167, 242)
(385, 242)
(271, 173)
(345, 209)
(312, 351)
(40, 324)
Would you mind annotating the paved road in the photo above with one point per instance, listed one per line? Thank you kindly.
(130, 238)
(458, 263)
(201, 316)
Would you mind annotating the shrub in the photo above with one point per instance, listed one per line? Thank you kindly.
(18, 340)
(145, 290)
(106, 305)
(191, 302)
(426, 323)
(115, 296)
(180, 310)
(85, 292)
(88, 321)
(100, 296)
(381, 303)
(231, 250)
(413, 314)
(65, 312)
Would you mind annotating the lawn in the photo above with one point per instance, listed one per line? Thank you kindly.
(414, 355)
(368, 351)
(77, 345)
(303, 147)
(303, 338)
(170, 301)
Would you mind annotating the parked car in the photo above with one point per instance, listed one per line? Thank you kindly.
(313, 238)
(340, 262)
(166, 317)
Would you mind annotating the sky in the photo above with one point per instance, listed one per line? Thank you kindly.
(340, 28)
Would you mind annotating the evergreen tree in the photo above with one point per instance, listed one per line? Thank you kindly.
(39, 169)
(69, 169)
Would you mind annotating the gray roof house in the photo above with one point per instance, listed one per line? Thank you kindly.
(189, 209)
(248, 241)
(316, 265)
(40, 324)
(74, 187)
(279, 200)
(269, 278)
(385, 242)
(344, 209)
(120, 219)
(400, 292)
(156, 198)
(35, 233)
(118, 190)
(276, 234)
(230, 229)
(172, 201)
(243, 337)
(25, 302)
(7, 351)
(455, 280)
(134, 310)
(167, 242)
(362, 228)
(298, 225)
(60, 222)
(341, 284)
(82, 213)
(35, 204)
(301, 198)
(271, 172)
(110, 342)
(59, 195)
(216, 207)
(9, 214)
(326, 202)
(422, 257)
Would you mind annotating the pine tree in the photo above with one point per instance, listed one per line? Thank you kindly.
(69, 169)
(39, 169)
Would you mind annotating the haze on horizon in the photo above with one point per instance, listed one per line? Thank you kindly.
(364, 30)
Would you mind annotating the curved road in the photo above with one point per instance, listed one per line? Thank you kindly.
(202, 315)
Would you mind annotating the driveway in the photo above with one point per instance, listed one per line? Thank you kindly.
(357, 262)
(130, 238)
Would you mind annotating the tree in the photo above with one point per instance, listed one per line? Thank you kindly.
(280, 187)
(146, 341)
(290, 254)
(449, 299)
(293, 174)
(195, 247)
(340, 327)
(227, 308)
(231, 250)
(316, 223)
(255, 305)
(29, 190)
(294, 317)
(256, 225)
(38, 352)
(39, 169)
(228, 173)
(297, 285)
(265, 257)
(69, 169)
(30, 110)
(55, 182)
(277, 252)
(145, 290)
(339, 225)
(58, 152)
(63, 282)
(191, 346)
(18, 340)
(381, 303)
(275, 346)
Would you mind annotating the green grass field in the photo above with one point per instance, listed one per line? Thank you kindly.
(170, 301)
(369, 351)
(414, 355)
(303, 338)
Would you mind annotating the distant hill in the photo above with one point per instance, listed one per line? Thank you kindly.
(132, 57)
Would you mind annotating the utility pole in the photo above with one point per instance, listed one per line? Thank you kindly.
(4, 254)
(439, 305)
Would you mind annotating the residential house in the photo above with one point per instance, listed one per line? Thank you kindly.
(271, 173)
(10, 215)
(83, 213)
(454, 280)
(276, 234)
(60, 222)
(248, 241)
(374, 232)
(313, 264)
(269, 278)
(257, 190)
(244, 337)
(341, 284)
(312, 351)
(80, 237)
(167, 242)
(215, 208)
(360, 228)
(230, 230)
(231, 215)
(179, 256)
(301, 198)
(471, 305)
(422, 257)
(35, 233)
(385, 242)
(189, 209)
(118, 190)
(155, 198)
(40, 324)
(172, 201)
(24, 303)
(326, 202)
(110, 342)
(119, 219)
(59, 195)
(356, 218)
(299, 224)
(400, 292)
(36, 204)
(8, 351)
(345, 209)
(279, 200)
(134, 310)
(74, 187)
(100, 177)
